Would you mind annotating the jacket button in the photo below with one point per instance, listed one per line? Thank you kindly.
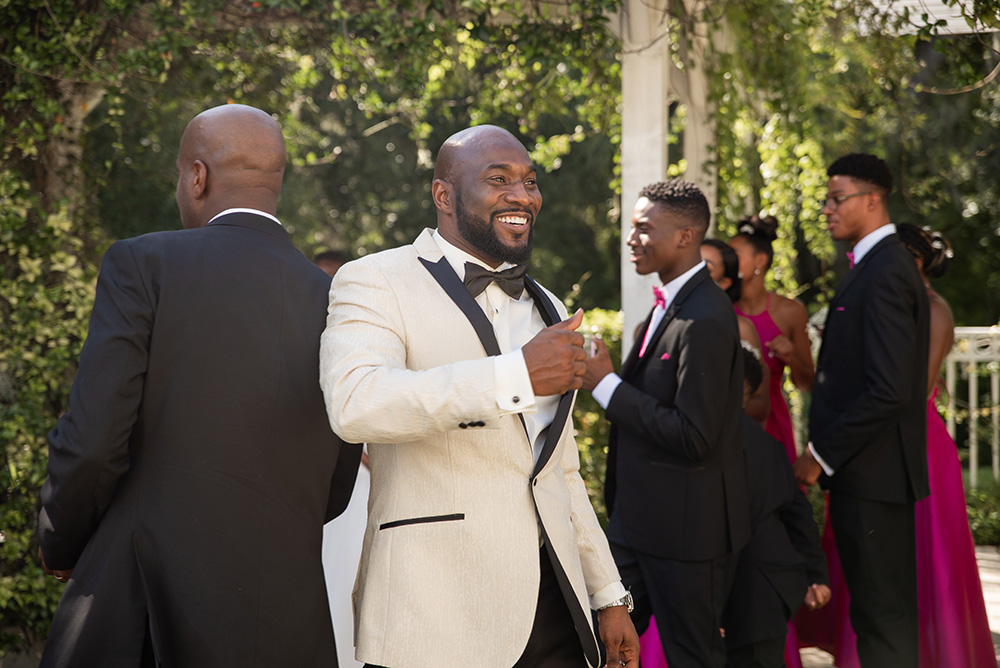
(462, 425)
(479, 423)
(516, 400)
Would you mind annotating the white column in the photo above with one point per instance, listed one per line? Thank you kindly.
(645, 76)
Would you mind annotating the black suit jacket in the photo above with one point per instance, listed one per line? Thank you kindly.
(868, 417)
(191, 477)
(676, 481)
(784, 555)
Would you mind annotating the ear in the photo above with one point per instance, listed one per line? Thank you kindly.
(443, 196)
(760, 261)
(199, 179)
(687, 237)
(726, 283)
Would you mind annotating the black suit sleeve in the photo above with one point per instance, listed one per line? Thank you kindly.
(890, 347)
(89, 448)
(690, 427)
(344, 478)
(797, 517)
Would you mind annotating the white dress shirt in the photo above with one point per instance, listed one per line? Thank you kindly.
(515, 322)
(240, 210)
(606, 388)
(860, 249)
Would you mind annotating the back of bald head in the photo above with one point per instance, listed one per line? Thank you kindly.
(465, 143)
(243, 151)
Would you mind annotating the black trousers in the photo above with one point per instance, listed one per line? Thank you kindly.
(554, 642)
(762, 654)
(687, 598)
(877, 546)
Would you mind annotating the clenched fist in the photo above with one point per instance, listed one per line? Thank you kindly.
(555, 357)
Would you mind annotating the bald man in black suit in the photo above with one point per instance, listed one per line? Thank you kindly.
(191, 477)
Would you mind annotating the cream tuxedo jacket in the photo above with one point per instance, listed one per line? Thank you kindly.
(449, 571)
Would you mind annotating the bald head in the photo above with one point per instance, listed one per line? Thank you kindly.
(463, 146)
(230, 156)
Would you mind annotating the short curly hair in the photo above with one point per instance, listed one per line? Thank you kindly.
(864, 167)
(681, 197)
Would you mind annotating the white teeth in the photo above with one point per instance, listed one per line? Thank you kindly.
(513, 220)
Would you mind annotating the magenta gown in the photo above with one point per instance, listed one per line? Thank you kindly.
(779, 420)
(954, 629)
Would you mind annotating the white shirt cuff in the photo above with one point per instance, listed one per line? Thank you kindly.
(612, 592)
(513, 384)
(602, 393)
(826, 467)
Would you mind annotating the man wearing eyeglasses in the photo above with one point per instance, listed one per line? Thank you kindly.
(867, 421)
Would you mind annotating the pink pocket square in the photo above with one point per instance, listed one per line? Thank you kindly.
(665, 356)
(840, 308)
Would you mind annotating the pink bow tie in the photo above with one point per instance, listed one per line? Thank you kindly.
(850, 260)
(661, 301)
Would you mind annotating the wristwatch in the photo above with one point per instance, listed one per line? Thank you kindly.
(625, 600)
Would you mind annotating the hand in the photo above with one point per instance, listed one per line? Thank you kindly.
(619, 637)
(807, 469)
(555, 357)
(598, 366)
(62, 576)
(817, 596)
(781, 347)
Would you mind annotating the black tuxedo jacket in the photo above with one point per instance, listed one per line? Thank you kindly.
(868, 417)
(784, 555)
(191, 477)
(675, 466)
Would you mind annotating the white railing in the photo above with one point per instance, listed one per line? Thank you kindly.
(976, 354)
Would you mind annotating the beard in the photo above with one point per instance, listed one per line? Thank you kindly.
(482, 236)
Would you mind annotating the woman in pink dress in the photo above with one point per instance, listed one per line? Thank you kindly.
(781, 324)
(954, 630)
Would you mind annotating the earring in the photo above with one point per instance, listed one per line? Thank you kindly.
(756, 271)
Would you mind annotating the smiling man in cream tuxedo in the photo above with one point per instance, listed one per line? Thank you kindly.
(482, 548)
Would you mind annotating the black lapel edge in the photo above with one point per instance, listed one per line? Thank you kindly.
(549, 314)
(453, 286)
(555, 432)
(547, 309)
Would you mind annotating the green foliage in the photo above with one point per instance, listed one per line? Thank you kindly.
(45, 297)
(801, 83)
(592, 429)
(984, 517)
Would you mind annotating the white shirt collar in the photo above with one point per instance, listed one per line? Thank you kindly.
(869, 240)
(237, 210)
(671, 289)
(457, 257)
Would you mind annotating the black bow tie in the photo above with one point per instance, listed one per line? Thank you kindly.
(510, 280)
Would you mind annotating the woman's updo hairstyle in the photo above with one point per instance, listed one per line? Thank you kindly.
(929, 246)
(760, 232)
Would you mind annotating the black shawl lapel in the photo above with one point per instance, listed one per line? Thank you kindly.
(551, 317)
(455, 288)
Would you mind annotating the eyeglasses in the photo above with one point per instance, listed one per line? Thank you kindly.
(834, 202)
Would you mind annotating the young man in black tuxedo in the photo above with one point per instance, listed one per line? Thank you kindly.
(867, 420)
(676, 488)
(191, 477)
